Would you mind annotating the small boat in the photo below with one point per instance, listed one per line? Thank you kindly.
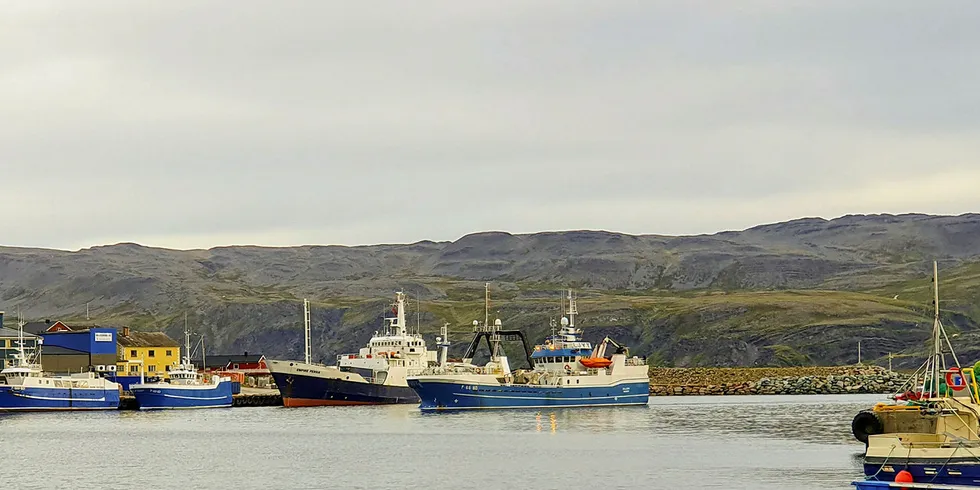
(25, 387)
(938, 439)
(557, 375)
(375, 375)
(940, 389)
(880, 485)
(595, 362)
(185, 388)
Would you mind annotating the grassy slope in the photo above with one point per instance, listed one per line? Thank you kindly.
(706, 327)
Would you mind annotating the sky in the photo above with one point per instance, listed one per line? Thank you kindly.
(206, 123)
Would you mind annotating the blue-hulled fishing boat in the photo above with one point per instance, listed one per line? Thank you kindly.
(565, 372)
(25, 387)
(185, 387)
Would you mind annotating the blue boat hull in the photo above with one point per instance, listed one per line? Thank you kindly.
(310, 391)
(44, 399)
(441, 395)
(176, 397)
(963, 472)
(882, 485)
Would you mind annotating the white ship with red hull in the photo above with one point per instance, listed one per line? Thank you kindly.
(375, 375)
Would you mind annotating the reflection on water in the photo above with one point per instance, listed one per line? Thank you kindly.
(674, 442)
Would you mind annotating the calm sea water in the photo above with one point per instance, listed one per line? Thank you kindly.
(751, 442)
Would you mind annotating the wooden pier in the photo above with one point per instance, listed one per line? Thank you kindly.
(128, 402)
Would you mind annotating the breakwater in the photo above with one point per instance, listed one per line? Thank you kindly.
(774, 381)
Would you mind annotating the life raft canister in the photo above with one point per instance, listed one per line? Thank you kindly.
(955, 374)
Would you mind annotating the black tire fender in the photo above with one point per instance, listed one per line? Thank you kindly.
(865, 424)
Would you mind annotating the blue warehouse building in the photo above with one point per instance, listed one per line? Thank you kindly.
(75, 348)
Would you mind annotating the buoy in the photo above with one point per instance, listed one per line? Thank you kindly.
(903, 477)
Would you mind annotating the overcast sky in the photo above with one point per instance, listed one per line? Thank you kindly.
(196, 124)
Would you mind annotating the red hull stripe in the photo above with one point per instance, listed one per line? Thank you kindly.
(309, 402)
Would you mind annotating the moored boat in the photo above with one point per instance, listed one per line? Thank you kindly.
(880, 485)
(185, 388)
(935, 433)
(557, 378)
(940, 388)
(25, 387)
(374, 375)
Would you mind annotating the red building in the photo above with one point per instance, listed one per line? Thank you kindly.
(250, 365)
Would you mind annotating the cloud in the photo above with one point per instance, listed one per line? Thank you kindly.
(195, 125)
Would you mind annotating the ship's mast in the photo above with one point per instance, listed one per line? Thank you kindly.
(572, 310)
(443, 343)
(187, 344)
(937, 346)
(400, 305)
(306, 331)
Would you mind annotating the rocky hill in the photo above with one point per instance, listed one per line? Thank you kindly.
(799, 292)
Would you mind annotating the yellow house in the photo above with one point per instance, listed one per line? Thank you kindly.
(157, 353)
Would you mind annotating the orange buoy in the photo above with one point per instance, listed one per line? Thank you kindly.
(903, 477)
(595, 362)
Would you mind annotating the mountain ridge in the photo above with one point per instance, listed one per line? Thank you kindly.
(245, 296)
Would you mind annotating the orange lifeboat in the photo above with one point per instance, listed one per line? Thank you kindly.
(595, 362)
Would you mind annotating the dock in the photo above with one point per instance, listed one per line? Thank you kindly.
(128, 402)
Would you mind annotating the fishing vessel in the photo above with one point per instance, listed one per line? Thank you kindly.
(881, 485)
(374, 375)
(25, 387)
(565, 371)
(185, 388)
(935, 425)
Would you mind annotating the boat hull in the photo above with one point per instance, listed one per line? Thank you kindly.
(880, 485)
(300, 390)
(155, 397)
(952, 472)
(441, 394)
(44, 399)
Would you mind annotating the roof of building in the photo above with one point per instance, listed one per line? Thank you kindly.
(42, 327)
(37, 327)
(146, 339)
(219, 361)
(12, 333)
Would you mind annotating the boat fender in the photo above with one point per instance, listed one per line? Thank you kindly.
(960, 384)
(865, 424)
(903, 477)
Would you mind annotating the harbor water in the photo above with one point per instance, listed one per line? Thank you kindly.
(736, 442)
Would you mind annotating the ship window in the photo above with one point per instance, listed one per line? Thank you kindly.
(152, 353)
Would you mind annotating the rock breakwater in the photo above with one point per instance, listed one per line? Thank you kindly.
(774, 381)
